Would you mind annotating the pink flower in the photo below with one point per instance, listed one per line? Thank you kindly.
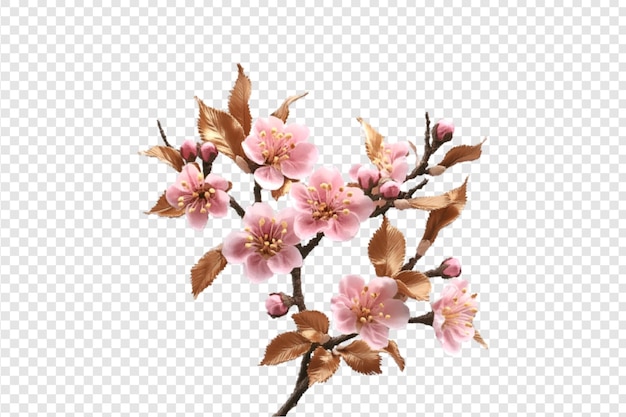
(392, 161)
(454, 313)
(369, 310)
(266, 247)
(208, 151)
(451, 268)
(443, 130)
(275, 305)
(365, 176)
(281, 151)
(390, 189)
(189, 150)
(327, 206)
(198, 195)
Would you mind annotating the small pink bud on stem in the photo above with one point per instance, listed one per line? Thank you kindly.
(443, 130)
(450, 268)
(189, 150)
(390, 189)
(208, 152)
(278, 304)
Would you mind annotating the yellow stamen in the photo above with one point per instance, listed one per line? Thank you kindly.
(248, 245)
(349, 193)
(200, 177)
(341, 189)
(250, 238)
(262, 134)
(346, 211)
(288, 136)
(362, 319)
(474, 295)
(181, 198)
(311, 188)
(346, 201)
(181, 204)
(387, 316)
(246, 229)
(212, 190)
(183, 184)
(202, 210)
(468, 324)
(207, 205)
(382, 305)
(194, 194)
(324, 186)
(262, 221)
(273, 220)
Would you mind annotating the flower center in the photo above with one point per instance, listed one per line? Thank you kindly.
(326, 205)
(459, 314)
(276, 146)
(270, 243)
(365, 313)
(199, 197)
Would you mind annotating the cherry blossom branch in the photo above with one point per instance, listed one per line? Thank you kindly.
(411, 263)
(298, 296)
(426, 319)
(233, 203)
(257, 192)
(428, 151)
(163, 135)
(412, 191)
(305, 250)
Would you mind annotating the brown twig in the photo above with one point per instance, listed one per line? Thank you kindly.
(233, 203)
(163, 135)
(305, 250)
(426, 319)
(410, 264)
(298, 296)
(257, 192)
(428, 151)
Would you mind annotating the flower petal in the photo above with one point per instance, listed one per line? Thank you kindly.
(353, 171)
(343, 228)
(344, 317)
(449, 344)
(328, 175)
(399, 169)
(256, 268)
(299, 196)
(252, 149)
(375, 334)
(269, 177)
(301, 161)
(234, 249)
(306, 226)
(175, 191)
(284, 261)
(360, 205)
(399, 314)
(217, 182)
(256, 212)
(197, 219)
(299, 132)
(383, 286)
(398, 150)
(219, 204)
(351, 286)
(288, 215)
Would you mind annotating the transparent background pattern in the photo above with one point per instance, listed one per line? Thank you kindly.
(96, 312)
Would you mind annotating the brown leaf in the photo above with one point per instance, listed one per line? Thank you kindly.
(479, 339)
(286, 187)
(322, 366)
(208, 267)
(164, 209)
(386, 249)
(360, 357)
(166, 154)
(413, 284)
(283, 111)
(392, 349)
(313, 325)
(221, 129)
(373, 141)
(462, 153)
(285, 347)
(423, 203)
(440, 218)
(238, 102)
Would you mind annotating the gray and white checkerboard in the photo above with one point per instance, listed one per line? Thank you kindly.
(96, 315)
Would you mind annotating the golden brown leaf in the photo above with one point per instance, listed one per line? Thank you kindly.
(438, 219)
(360, 357)
(413, 284)
(283, 111)
(164, 209)
(479, 339)
(322, 366)
(168, 155)
(238, 102)
(313, 325)
(373, 141)
(221, 129)
(462, 153)
(286, 187)
(285, 347)
(392, 349)
(423, 203)
(386, 249)
(208, 267)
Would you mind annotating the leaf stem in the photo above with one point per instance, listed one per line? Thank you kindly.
(163, 135)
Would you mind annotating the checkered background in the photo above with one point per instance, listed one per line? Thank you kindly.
(96, 312)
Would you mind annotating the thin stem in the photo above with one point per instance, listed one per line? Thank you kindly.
(428, 151)
(412, 191)
(302, 384)
(298, 297)
(233, 203)
(305, 250)
(411, 263)
(426, 319)
(163, 135)
(257, 192)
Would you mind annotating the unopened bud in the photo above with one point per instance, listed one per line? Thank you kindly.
(443, 130)
(390, 189)
(436, 170)
(208, 152)
(367, 177)
(189, 150)
(276, 306)
(451, 268)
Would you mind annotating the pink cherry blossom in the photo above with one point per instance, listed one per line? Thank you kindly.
(391, 161)
(275, 305)
(198, 195)
(208, 152)
(444, 129)
(266, 246)
(281, 151)
(451, 268)
(454, 313)
(328, 206)
(390, 189)
(369, 310)
(189, 150)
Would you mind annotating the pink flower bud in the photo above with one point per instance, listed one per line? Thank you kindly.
(189, 150)
(451, 268)
(208, 151)
(443, 130)
(390, 189)
(275, 305)
(367, 177)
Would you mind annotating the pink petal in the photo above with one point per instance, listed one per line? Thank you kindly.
(219, 204)
(398, 150)
(300, 162)
(269, 177)
(234, 249)
(252, 149)
(353, 171)
(284, 261)
(216, 182)
(256, 212)
(266, 125)
(299, 132)
(399, 169)
(376, 335)
(360, 205)
(385, 287)
(328, 175)
(173, 192)
(196, 218)
(344, 317)
(351, 286)
(288, 215)
(256, 268)
(306, 226)
(189, 174)
(399, 313)
(449, 344)
(345, 227)
(299, 196)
